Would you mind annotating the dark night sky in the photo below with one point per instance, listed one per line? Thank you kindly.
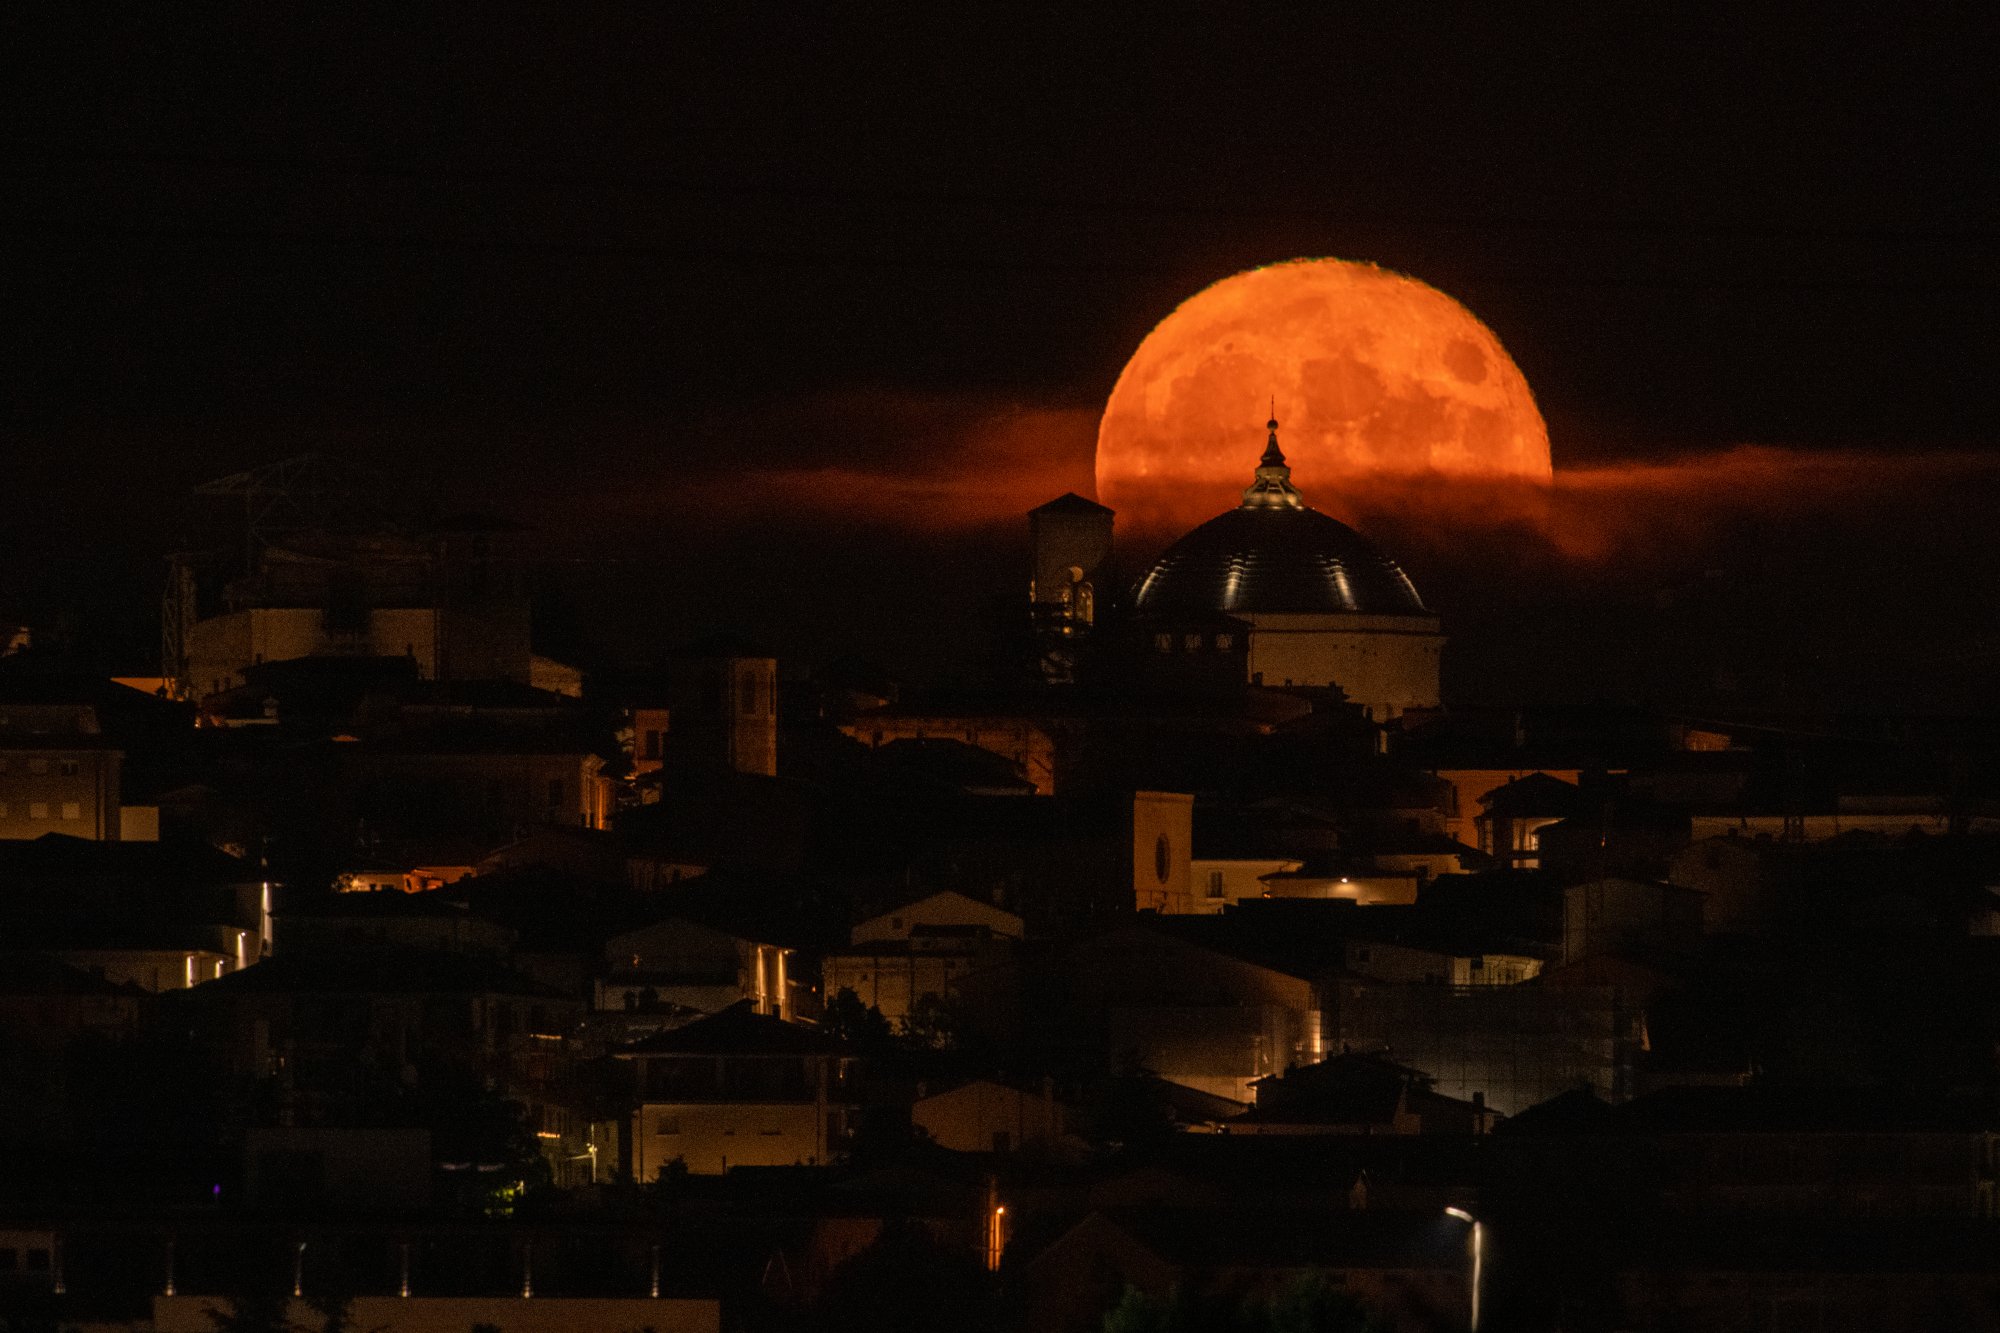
(592, 265)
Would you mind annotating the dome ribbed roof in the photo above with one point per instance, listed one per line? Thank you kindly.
(1274, 554)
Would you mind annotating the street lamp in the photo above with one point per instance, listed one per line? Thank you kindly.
(1478, 1258)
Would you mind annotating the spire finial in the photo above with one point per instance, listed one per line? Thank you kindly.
(1273, 487)
(1273, 455)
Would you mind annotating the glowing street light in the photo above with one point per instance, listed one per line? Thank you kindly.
(1478, 1258)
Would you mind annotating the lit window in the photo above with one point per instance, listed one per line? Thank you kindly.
(1224, 642)
(1163, 643)
(38, 809)
(72, 810)
(1192, 643)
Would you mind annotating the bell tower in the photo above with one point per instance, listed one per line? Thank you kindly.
(1071, 541)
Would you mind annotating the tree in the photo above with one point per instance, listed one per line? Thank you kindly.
(908, 1282)
(1312, 1304)
(934, 1024)
(483, 1139)
(258, 1291)
(1308, 1304)
(859, 1025)
(1139, 1312)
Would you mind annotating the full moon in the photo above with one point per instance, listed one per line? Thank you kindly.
(1372, 376)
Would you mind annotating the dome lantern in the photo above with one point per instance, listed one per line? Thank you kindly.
(1274, 553)
(1272, 488)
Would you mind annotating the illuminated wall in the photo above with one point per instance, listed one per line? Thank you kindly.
(1471, 786)
(1162, 851)
(154, 970)
(939, 909)
(893, 978)
(984, 1116)
(498, 793)
(713, 1113)
(724, 711)
(1516, 1045)
(220, 647)
(1214, 884)
(1387, 664)
(59, 789)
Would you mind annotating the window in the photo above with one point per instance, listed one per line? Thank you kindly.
(38, 809)
(667, 1124)
(1191, 643)
(1163, 852)
(1224, 642)
(1215, 883)
(67, 768)
(652, 744)
(72, 810)
(1163, 643)
(38, 765)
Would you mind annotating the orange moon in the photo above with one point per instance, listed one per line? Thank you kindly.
(1377, 378)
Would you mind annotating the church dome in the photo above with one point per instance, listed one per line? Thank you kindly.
(1274, 554)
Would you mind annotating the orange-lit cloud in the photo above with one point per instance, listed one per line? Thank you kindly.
(899, 462)
(906, 464)
(1635, 513)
